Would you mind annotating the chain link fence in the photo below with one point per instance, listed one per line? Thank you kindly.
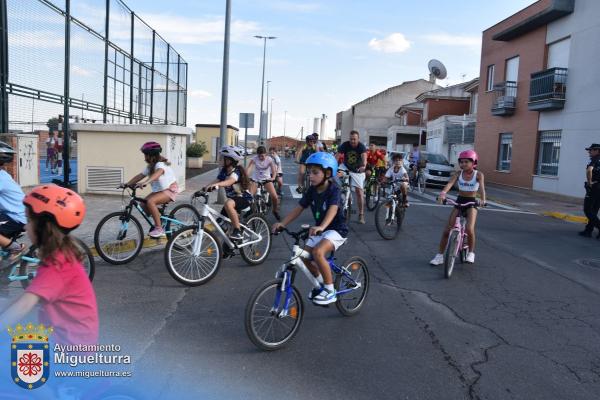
(94, 61)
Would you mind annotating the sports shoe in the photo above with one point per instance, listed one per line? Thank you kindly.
(156, 233)
(470, 258)
(314, 292)
(437, 260)
(299, 189)
(325, 297)
(236, 235)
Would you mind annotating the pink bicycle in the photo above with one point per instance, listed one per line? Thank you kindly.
(457, 245)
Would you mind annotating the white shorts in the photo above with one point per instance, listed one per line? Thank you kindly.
(357, 179)
(333, 236)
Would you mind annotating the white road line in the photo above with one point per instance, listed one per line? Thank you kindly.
(484, 209)
(295, 194)
(491, 203)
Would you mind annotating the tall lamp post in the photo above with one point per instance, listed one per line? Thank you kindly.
(261, 136)
(271, 120)
(267, 113)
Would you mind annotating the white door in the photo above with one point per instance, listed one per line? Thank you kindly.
(512, 75)
(214, 147)
(558, 53)
(28, 162)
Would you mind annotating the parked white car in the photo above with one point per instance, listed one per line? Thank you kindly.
(438, 170)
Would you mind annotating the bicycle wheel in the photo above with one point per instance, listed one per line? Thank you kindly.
(347, 213)
(186, 267)
(185, 215)
(349, 303)
(372, 195)
(421, 183)
(450, 254)
(265, 326)
(29, 269)
(117, 240)
(387, 226)
(256, 253)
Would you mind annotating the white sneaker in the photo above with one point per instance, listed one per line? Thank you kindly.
(437, 260)
(325, 297)
(470, 258)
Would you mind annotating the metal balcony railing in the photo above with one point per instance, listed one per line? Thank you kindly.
(547, 89)
(505, 98)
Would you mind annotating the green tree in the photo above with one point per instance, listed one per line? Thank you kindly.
(52, 124)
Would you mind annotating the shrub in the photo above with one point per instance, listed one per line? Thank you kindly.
(196, 149)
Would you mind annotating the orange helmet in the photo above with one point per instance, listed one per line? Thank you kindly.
(64, 205)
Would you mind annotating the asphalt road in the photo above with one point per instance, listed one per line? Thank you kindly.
(521, 323)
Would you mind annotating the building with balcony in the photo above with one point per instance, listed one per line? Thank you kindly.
(373, 116)
(538, 103)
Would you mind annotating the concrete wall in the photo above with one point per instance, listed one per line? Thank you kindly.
(579, 118)
(374, 115)
(206, 133)
(524, 123)
(118, 146)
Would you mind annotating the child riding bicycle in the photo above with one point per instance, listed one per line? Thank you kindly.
(329, 231)
(397, 172)
(234, 179)
(12, 210)
(470, 181)
(161, 177)
(263, 168)
(61, 285)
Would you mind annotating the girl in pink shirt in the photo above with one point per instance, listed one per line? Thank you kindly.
(61, 286)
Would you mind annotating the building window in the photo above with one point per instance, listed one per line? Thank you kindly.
(548, 153)
(505, 152)
(490, 77)
(474, 99)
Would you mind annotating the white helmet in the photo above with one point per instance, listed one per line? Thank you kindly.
(232, 151)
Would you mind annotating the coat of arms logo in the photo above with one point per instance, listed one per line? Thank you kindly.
(30, 355)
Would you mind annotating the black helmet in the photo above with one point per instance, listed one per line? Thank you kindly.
(7, 153)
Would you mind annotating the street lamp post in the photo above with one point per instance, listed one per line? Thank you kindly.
(261, 137)
(267, 113)
(271, 120)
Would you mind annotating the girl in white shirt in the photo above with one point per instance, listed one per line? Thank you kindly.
(263, 168)
(163, 181)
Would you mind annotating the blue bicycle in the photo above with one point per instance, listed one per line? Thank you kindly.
(275, 309)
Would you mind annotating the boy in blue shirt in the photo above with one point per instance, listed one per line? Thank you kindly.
(329, 231)
(12, 210)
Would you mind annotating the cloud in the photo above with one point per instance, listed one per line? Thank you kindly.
(394, 43)
(290, 6)
(447, 39)
(77, 70)
(200, 94)
(191, 30)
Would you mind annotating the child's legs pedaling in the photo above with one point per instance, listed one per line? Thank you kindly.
(447, 229)
(271, 189)
(319, 254)
(151, 206)
(301, 172)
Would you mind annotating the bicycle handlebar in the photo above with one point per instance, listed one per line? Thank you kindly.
(302, 234)
(201, 193)
(454, 203)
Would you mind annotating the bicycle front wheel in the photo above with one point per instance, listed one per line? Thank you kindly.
(388, 224)
(450, 254)
(118, 238)
(256, 253)
(372, 195)
(268, 326)
(189, 261)
(181, 216)
(29, 269)
(354, 278)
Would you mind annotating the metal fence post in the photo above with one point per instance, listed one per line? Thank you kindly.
(185, 102)
(3, 67)
(152, 78)
(178, 86)
(65, 126)
(131, 70)
(106, 38)
(167, 87)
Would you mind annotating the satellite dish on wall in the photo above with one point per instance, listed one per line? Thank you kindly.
(437, 70)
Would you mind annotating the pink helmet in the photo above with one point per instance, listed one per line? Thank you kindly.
(151, 148)
(468, 154)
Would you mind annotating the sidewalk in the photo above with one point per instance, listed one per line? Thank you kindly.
(97, 206)
(548, 204)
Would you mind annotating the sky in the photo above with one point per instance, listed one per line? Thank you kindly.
(328, 55)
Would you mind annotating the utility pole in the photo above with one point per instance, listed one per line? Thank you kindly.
(261, 129)
(224, 90)
(271, 120)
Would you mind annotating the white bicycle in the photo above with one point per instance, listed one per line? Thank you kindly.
(193, 254)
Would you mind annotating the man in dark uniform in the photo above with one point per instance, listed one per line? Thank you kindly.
(591, 203)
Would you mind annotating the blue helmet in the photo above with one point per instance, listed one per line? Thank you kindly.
(324, 160)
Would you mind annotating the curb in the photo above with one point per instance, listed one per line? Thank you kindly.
(565, 217)
(150, 242)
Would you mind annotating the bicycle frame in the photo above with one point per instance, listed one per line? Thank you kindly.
(135, 203)
(13, 276)
(287, 274)
(459, 226)
(207, 213)
(346, 188)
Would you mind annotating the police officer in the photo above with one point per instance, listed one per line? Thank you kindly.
(591, 203)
